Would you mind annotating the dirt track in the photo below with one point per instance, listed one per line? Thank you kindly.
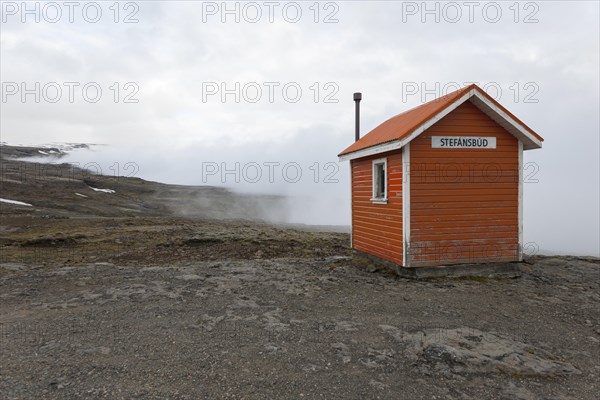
(294, 328)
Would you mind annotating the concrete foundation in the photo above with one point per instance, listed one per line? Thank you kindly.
(487, 270)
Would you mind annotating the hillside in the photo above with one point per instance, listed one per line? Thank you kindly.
(59, 190)
(57, 213)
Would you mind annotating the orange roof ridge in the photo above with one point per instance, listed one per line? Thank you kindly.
(405, 123)
(447, 97)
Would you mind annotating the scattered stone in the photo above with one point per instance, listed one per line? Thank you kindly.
(200, 240)
(13, 267)
(512, 392)
(190, 277)
(95, 350)
(378, 385)
(471, 351)
(343, 352)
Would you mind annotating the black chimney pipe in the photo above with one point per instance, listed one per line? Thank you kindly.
(357, 99)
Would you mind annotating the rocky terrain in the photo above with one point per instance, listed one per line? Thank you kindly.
(296, 328)
(123, 297)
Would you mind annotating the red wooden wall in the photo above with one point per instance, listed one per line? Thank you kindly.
(464, 202)
(377, 228)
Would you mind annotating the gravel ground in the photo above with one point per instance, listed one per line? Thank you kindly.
(155, 292)
(297, 328)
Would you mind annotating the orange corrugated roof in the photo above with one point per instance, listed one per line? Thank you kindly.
(402, 125)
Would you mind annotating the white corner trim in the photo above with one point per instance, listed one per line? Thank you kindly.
(406, 205)
(520, 207)
(351, 204)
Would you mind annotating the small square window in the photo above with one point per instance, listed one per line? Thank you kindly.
(380, 181)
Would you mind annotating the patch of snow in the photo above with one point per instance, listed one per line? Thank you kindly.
(82, 195)
(43, 152)
(102, 190)
(15, 202)
(67, 147)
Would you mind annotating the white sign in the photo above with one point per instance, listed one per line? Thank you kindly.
(463, 142)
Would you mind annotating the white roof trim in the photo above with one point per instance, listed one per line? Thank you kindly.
(369, 151)
(481, 102)
(507, 122)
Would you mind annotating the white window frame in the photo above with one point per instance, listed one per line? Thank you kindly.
(384, 199)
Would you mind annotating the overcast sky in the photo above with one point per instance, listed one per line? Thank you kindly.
(289, 71)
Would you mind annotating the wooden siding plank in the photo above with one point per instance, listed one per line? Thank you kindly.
(464, 202)
(377, 228)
